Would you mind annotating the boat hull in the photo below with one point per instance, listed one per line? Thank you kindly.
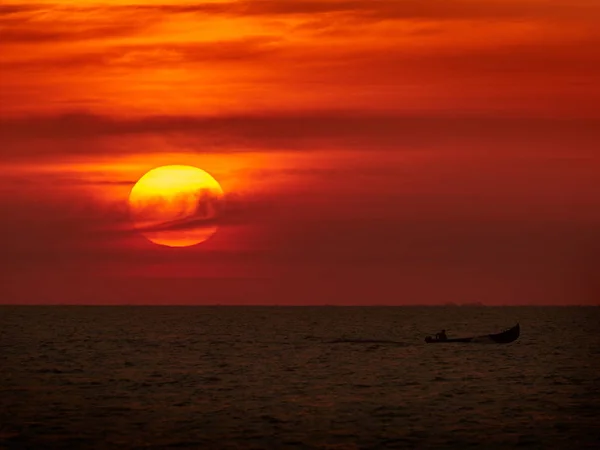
(505, 337)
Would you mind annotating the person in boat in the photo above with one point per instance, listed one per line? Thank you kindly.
(441, 336)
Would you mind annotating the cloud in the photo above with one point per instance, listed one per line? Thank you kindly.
(155, 57)
(405, 9)
(47, 23)
(304, 131)
(151, 56)
(274, 71)
(9, 10)
(52, 23)
(67, 34)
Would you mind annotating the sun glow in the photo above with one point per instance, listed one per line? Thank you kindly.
(176, 206)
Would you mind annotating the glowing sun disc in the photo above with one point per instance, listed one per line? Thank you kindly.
(176, 206)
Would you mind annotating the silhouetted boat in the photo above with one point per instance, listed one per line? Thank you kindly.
(504, 337)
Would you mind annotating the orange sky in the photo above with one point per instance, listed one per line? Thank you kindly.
(373, 152)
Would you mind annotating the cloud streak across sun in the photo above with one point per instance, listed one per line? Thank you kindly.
(356, 140)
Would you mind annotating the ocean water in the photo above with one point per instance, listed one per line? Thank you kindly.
(297, 377)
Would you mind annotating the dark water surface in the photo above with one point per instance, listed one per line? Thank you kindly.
(267, 377)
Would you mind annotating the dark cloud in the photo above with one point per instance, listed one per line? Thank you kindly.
(367, 9)
(131, 19)
(252, 48)
(8, 10)
(52, 23)
(22, 34)
(97, 22)
(554, 60)
(547, 71)
(405, 9)
(331, 10)
(304, 131)
(74, 182)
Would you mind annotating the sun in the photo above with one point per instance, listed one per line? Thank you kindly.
(176, 206)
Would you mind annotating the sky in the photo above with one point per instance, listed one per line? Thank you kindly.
(371, 152)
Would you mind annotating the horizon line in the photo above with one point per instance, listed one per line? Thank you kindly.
(238, 305)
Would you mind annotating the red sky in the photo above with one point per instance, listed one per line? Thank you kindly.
(372, 152)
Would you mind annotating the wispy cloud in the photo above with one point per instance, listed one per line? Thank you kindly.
(388, 10)
(32, 35)
(151, 56)
(331, 129)
(273, 54)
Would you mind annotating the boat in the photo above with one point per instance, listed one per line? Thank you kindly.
(504, 337)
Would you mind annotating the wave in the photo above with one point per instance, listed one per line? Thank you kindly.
(367, 341)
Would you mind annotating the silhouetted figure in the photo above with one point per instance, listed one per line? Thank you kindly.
(441, 336)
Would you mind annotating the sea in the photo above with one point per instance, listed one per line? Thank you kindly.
(225, 377)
